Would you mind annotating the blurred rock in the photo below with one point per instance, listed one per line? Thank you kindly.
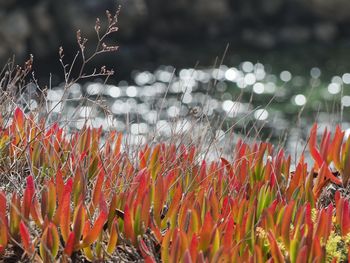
(133, 15)
(326, 31)
(43, 41)
(14, 32)
(41, 26)
(271, 7)
(261, 39)
(7, 3)
(295, 34)
(208, 10)
(334, 10)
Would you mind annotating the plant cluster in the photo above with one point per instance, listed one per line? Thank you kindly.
(82, 199)
(84, 195)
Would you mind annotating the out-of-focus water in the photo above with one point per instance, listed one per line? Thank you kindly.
(248, 100)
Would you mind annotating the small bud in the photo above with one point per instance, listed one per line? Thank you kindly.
(79, 36)
(60, 52)
(109, 17)
(97, 25)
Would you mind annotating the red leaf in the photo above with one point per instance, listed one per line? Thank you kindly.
(19, 118)
(345, 218)
(128, 224)
(59, 185)
(317, 252)
(187, 257)
(302, 255)
(2, 204)
(193, 248)
(68, 249)
(25, 237)
(64, 212)
(28, 197)
(228, 166)
(228, 236)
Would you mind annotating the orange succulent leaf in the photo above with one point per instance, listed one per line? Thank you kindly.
(345, 172)
(335, 151)
(3, 234)
(205, 233)
(175, 249)
(159, 195)
(275, 250)
(59, 185)
(49, 244)
(323, 178)
(15, 215)
(215, 246)
(93, 234)
(286, 221)
(118, 144)
(51, 199)
(128, 224)
(35, 213)
(66, 191)
(165, 247)
(79, 220)
(313, 147)
(332, 178)
(317, 250)
(96, 196)
(154, 160)
(175, 202)
(113, 237)
(19, 116)
(228, 166)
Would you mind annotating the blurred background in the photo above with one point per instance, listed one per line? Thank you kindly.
(297, 34)
(286, 66)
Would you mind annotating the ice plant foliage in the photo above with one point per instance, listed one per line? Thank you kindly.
(81, 199)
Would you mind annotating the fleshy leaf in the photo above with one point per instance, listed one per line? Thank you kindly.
(93, 234)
